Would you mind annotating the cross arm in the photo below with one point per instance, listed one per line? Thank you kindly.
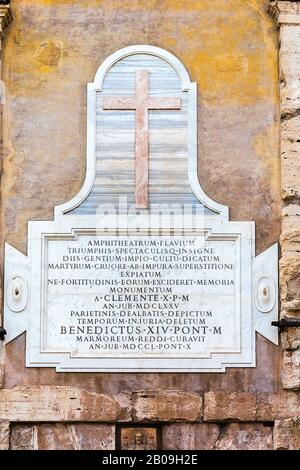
(164, 103)
(119, 103)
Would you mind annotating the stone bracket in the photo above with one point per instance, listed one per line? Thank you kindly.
(5, 19)
(285, 12)
(16, 301)
(265, 293)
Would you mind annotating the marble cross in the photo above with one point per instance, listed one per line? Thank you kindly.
(141, 103)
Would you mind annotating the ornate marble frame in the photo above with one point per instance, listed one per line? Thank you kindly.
(187, 86)
(257, 302)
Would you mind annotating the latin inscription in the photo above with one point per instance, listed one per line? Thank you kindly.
(141, 295)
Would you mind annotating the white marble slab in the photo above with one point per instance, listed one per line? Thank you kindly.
(154, 290)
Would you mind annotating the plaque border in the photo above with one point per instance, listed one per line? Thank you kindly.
(29, 268)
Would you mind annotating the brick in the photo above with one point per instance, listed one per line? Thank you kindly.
(75, 437)
(57, 403)
(4, 435)
(291, 369)
(287, 434)
(290, 181)
(290, 232)
(273, 406)
(54, 437)
(238, 436)
(204, 436)
(166, 405)
(224, 405)
(199, 436)
(290, 67)
(62, 436)
(22, 437)
(290, 338)
(290, 282)
(94, 436)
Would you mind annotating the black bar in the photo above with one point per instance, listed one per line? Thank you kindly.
(3, 332)
(143, 459)
(286, 322)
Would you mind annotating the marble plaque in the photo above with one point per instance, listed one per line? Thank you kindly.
(141, 271)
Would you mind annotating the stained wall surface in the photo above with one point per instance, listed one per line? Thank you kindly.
(54, 47)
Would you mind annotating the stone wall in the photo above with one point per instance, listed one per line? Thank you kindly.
(287, 14)
(213, 420)
(51, 50)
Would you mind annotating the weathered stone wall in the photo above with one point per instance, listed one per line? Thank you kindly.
(287, 14)
(213, 420)
(230, 47)
(5, 20)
